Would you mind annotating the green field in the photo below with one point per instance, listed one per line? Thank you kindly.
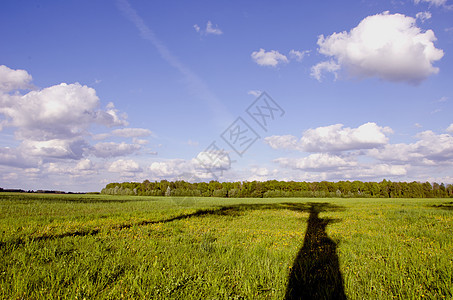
(114, 247)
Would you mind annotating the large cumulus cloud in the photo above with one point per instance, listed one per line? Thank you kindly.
(333, 138)
(53, 123)
(388, 46)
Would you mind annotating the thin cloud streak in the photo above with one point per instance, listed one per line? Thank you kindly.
(194, 83)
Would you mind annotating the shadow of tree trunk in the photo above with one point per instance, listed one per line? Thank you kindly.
(315, 273)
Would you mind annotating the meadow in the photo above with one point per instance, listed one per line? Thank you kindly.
(133, 247)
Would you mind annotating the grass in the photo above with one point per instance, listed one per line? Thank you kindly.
(114, 247)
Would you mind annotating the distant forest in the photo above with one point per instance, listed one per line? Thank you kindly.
(274, 188)
(2, 190)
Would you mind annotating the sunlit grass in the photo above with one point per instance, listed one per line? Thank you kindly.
(92, 246)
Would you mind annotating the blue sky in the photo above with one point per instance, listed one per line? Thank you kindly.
(93, 92)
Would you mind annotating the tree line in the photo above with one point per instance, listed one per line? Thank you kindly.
(274, 188)
(2, 190)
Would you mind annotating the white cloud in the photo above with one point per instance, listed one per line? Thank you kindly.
(10, 176)
(397, 153)
(212, 30)
(170, 168)
(111, 149)
(126, 133)
(322, 166)
(132, 132)
(430, 153)
(442, 99)
(423, 16)
(68, 169)
(59, 112)
(271, 58)
(203, 166)
(212, 160)
(32, 172)
(53, 123)
(255, 173)
(124, 166)
(54, 168)
(261, 172)
(337, 138)
(432, 2)
(387, 46)
(55, 148)
(298, 55)
(192, 143)
(139, 141)
(85, 165)
(375, 171)
(329, 66)
(14, 79)
(430, 149)
(254, 93)
(316, 162)
(14, 158)
(334, 157)
(437, 147)
(333, 138)
(100, 136)
(288, 142)
(110, 116)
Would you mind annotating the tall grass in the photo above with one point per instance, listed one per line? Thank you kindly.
(114, 247)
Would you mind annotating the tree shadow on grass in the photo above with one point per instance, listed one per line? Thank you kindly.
(234, 210)
(315, 273)
(446, 206)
